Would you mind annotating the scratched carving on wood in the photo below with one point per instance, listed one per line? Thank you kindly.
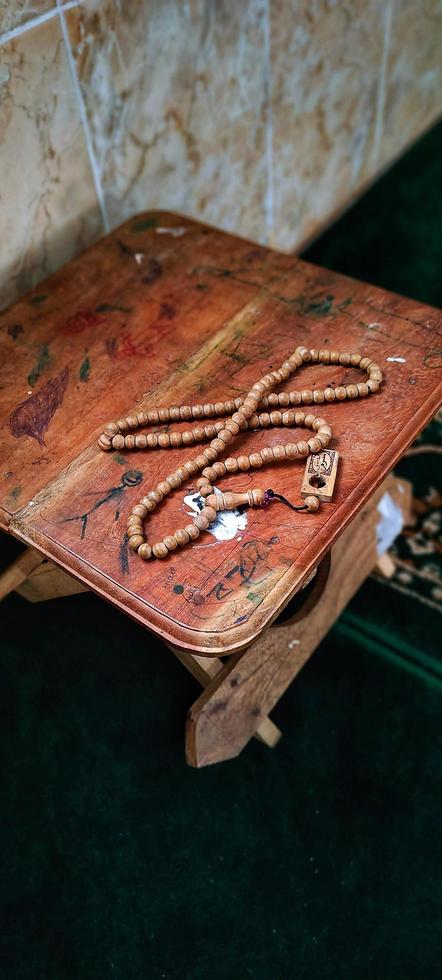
(228, 329)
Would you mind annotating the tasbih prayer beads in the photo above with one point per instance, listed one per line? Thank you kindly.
(243, 415)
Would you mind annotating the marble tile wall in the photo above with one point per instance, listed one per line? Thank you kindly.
(263, 117)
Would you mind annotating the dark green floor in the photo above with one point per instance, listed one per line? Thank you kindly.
(318, 861)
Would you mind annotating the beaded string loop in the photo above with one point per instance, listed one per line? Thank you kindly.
(243, 415)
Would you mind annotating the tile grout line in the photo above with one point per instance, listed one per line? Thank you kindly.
(380, 103)
(269, 121)
(36, 21)
(84, 120)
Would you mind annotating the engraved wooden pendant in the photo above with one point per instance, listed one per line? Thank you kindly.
(320, 475)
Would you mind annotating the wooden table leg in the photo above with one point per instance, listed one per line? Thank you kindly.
(204, 669)
(19, 571)
(248, 685)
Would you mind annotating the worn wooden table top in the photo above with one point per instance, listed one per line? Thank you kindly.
(165, 310)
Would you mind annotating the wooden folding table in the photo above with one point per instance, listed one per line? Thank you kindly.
(166, 310)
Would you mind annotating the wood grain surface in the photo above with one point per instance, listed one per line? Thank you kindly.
(162, 311)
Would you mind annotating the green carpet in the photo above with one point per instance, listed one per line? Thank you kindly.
(317, 861)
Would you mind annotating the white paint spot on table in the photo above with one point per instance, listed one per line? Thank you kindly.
(228, 522)
(397, 360)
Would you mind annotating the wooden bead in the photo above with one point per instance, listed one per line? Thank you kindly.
(145, 551)
(174, 480)
(264, 420)
(156, 495)
(202, 521)
(149, 504)
(329, 394)
(163, 414)
(133, 528)
(295, 397)
(210, 453)
(373, 385)
(239, 418)
(231, 465)
(182, 536)
(191, 467)
(334, 357)
(163, 440)
(284, 399)
(355, 360)
(299, 418)
(174, 414)
(324, 356)
(288, 418)
(198, 412)
(105, 442)
(291, 450)
(118, 442)
(345, 359)
(303, 449)
(175, 439)
(135, 541)
(364, 363)
(352, 391)
(188, 438)
(219, 468)
(185, 412)
(278, 452)
(232, 427)
(276, 418)
(152, 440)
(210, 431)
(153, 416)
(312, 503)
(306, 396)
(272, 399)
(192, 531)
(164, 487)
(141, 441)
(111, 429)
(208, 410)
(314, 445)
(309, 420)
(225, 436)
(363, 389)
(139, 511)
(170, 542)
(340, 393)
(267, 454)
(255, 460)
(206, 490)
(160, 550)
(318, 397)
(243, 463)
(129, 442)
(210, 513)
